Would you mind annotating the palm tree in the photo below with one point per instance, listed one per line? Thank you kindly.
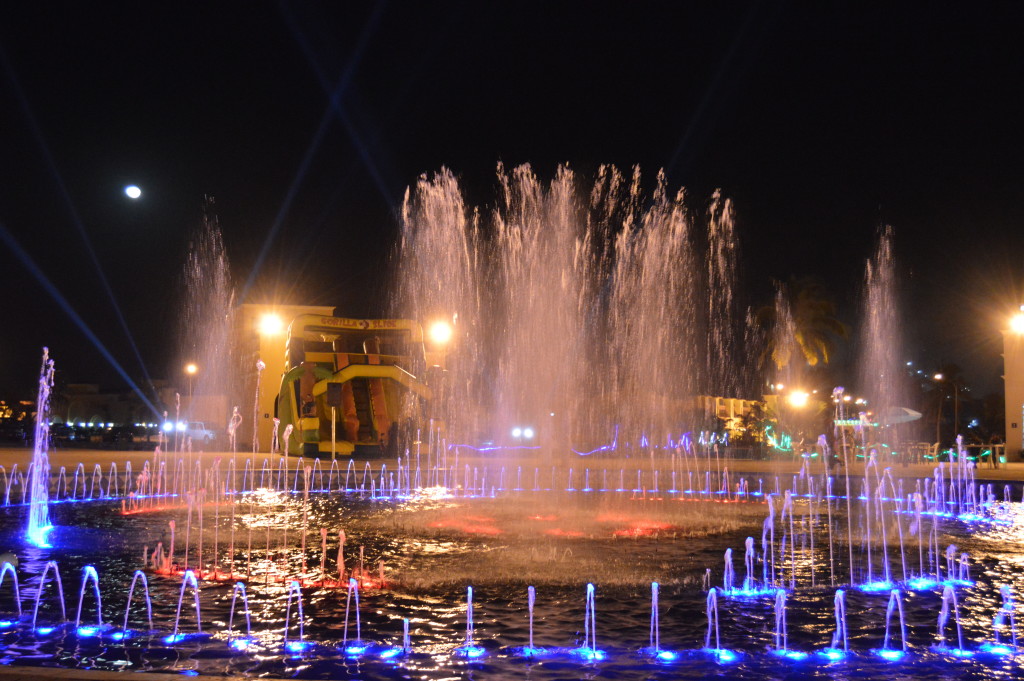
(802, 318)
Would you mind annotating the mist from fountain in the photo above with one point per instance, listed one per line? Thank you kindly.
(205, 325)
(556, 280)
(881, 359)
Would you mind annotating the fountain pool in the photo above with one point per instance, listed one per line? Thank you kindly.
(322, 579)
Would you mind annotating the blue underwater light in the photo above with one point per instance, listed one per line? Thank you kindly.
(873, 587)
(471, 652)
(588, 654)
(297, 646)
(723, 655)
(996, 649)
(890, 654)
(242, 643)
(37, 536)
(795, 655)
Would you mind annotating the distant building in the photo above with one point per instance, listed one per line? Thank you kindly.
(86, 403)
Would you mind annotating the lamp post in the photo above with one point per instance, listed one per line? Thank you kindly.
(1013, 382)
(191, 369)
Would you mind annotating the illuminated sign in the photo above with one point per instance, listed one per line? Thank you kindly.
(363, 324)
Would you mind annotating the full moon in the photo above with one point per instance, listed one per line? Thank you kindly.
(132, 192)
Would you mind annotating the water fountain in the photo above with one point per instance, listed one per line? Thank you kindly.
(39, 509)
(895, 605)
(205, 324)
(630, 298)
(634, 285)
(840, 645)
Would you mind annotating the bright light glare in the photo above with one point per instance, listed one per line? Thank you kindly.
(191, 369)
(271, 324)
(890, 654)
(798, 398)
(517, 432)
(528, 433)
(1017, 323)
(132, 192)
(440, 333)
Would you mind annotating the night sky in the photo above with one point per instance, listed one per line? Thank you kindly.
(823, 121)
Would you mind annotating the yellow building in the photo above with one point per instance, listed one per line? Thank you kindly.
(1013, 383)
(333, 383)
(261, 333)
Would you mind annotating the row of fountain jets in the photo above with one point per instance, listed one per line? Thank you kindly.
(1004, 623)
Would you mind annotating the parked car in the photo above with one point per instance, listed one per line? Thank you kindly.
(119, 435)
(13, 432)
(200, 434)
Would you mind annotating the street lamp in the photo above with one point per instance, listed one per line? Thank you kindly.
(270, 324)
(440, 332)
(191, 369)
(1017, 321)
(798, 399)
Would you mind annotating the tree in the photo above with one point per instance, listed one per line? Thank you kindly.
(803, 319)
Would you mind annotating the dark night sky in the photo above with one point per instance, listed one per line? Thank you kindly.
(821, 120)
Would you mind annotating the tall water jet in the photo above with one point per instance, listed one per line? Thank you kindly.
(438, 255)
(39, 494)
(553, 282)
(205, 326)
(881, 354)
(722, 319)
(654, 308)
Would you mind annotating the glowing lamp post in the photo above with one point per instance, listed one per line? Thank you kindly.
(798, 399)
(270, 324)
(1013, 382)
(191, 369)
(440, 333)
